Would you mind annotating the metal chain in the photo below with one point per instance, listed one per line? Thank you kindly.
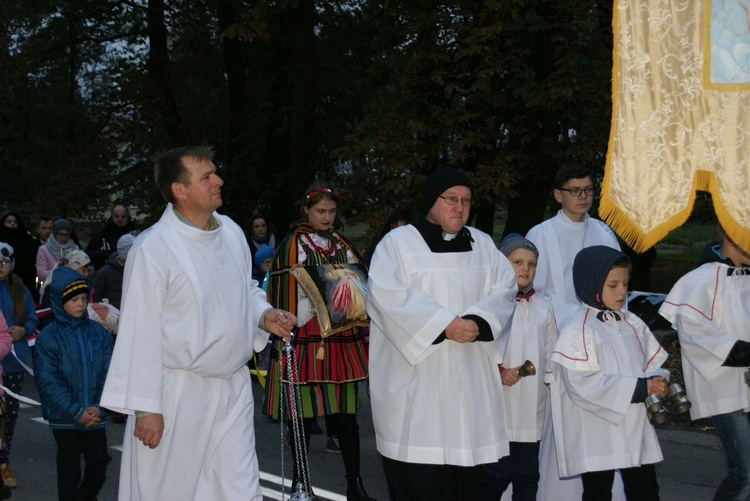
(282, 424)
(299, 443)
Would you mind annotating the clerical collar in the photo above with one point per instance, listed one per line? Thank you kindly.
(213, 223)
(434, 237)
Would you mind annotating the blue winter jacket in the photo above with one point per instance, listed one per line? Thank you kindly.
(71, 359)
(10, 364)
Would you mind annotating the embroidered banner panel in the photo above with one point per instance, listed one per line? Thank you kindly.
(680, 117)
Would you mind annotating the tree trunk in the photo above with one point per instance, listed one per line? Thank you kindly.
(167, 114)
(303, 133)
(235, 64)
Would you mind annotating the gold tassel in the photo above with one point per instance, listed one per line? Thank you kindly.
(320, 354)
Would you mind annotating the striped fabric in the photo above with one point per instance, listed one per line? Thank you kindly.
(327, 384)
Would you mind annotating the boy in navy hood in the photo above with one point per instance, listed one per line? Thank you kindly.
(604, 365)
(70, 366)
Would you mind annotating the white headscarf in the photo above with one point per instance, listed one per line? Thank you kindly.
(6, 251)
(55, 248)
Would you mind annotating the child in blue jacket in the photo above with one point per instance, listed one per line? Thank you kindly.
(70, 366)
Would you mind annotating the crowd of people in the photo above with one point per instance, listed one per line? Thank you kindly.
(494, 371)
(35, 271)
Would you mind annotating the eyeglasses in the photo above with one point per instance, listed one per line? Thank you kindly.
(576, 192)
(466, 202)
(5, 263)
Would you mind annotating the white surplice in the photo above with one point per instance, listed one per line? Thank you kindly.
(532, 336)
(559, 240)
(710, 309)
(188, 324)
(437, 403)
(595, 366)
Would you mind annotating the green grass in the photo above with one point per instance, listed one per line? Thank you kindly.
(689, 236)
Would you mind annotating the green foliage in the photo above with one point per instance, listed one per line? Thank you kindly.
(503, 89)
(690, 237)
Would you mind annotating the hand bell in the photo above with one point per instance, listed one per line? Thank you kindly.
(678, 400)
(527, 369)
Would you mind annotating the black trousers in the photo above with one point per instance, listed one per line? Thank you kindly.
(346, 427)
(521, 468)
(639, 481)
(428, 482)
(71, 444)
(14, 382)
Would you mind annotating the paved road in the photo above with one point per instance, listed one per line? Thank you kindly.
(692, 469)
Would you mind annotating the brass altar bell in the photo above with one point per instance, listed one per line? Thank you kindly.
(527, 369)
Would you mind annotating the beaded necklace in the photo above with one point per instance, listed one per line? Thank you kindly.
(326, 250)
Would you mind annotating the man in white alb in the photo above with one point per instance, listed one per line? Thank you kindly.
(559, 239)
(190, 318)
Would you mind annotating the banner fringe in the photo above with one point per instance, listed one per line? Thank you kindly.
(641, 241)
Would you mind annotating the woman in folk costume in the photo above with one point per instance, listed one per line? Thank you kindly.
(328, 364)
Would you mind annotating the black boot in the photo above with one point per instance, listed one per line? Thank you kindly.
(355, 491)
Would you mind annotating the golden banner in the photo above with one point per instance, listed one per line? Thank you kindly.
(680, 117)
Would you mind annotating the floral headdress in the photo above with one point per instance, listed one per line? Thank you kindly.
(323, 191)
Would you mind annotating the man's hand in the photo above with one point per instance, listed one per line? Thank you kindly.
(149, 429)
(462, 330)
(280, 322)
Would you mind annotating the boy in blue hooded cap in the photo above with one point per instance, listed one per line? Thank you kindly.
(532, 336)
(70, 366)
(603, 367)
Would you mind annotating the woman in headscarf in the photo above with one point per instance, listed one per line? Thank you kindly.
(13, 231)
(54, 249)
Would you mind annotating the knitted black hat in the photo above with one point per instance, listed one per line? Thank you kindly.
(438, 182)
(80, 286)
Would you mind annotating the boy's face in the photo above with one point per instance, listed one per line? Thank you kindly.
(615, 288)
(575, 208)
(524, 264)
(76, 305)
(44, 229)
